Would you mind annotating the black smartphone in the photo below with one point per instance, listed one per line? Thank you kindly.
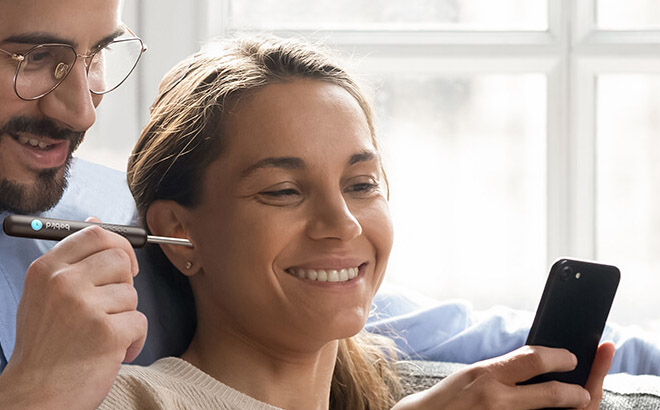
(572, 314)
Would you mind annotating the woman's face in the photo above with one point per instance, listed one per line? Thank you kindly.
(293, 232)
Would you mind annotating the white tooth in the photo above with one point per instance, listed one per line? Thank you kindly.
(300, 273)
(333, 276)
(23, 140)
(34, 143)
(312, 274)
(354, 273)
(42, 145)
(322, 276)
(343, 275)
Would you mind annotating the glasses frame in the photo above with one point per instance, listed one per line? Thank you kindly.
(20, 57)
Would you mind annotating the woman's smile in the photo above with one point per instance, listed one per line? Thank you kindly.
(325, 275)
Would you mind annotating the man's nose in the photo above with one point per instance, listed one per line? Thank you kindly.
(71, 104)
(331, 218)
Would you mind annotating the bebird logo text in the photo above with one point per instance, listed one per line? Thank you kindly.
(59, 226)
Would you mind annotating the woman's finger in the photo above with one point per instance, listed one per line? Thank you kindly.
(599, 370)
(528, 361)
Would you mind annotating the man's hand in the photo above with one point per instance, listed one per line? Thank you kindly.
(76, 322)
(492, 384)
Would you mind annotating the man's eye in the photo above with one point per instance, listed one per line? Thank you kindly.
(39, 57)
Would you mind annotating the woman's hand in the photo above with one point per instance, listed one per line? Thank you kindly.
(492, 384)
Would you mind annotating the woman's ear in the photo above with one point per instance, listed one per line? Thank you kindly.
(168, 218)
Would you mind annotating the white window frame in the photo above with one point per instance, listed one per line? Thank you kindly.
(477, 52)
(572, 52)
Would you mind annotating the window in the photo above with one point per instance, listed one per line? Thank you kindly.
(514, 132)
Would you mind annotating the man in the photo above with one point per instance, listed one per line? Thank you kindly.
(62, 346)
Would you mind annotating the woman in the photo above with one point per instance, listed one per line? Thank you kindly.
(263, 153)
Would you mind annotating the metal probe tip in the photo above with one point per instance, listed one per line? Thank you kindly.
(170, 241)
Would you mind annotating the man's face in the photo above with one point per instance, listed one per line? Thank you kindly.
(37, 138)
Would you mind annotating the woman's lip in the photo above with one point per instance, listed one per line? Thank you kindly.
(333, 264)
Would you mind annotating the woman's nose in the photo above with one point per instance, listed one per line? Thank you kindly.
(331, 218)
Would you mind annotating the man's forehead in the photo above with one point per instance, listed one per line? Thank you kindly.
(45, 38)
(81, 23)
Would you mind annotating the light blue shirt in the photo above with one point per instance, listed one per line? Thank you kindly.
(451, 331)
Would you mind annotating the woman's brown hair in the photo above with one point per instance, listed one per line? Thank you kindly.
(185, 134)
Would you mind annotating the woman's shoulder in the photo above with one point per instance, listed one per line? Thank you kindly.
(173, 383)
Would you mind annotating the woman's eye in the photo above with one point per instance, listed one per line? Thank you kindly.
(362, 187)
(280, 197)
(280, 193)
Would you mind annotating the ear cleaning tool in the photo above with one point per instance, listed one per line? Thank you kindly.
(58, 229)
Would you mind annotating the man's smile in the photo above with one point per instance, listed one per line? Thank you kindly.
(40, 152)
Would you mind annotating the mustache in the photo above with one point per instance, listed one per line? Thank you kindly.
(41, 126)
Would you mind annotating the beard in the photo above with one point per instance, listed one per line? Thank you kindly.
(50, 184)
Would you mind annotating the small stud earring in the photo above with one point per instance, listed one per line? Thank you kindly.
(188, 265)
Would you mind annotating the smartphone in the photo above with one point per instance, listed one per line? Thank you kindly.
(572, 314)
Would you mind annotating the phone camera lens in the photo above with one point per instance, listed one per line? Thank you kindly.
(566, 272)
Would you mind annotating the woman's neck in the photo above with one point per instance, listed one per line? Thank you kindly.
(291, 379)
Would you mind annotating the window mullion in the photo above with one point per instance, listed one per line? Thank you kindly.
(581, 150)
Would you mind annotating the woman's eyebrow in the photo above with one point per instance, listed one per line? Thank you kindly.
(363, 156)
(274, 162)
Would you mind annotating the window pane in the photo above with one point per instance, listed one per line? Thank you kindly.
(466, 161)
(628, 15)
(390, 15)
(628, 194)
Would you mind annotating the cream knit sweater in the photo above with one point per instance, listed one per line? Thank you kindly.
(172, 383)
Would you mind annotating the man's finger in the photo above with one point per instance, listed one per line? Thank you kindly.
(87, 242)
(107, 266)
(115, 298)
(131, 327)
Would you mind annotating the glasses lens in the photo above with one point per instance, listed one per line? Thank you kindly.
(113, 64)
(43, 68)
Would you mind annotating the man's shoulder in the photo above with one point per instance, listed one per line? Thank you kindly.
(95, 190)
(83, 171)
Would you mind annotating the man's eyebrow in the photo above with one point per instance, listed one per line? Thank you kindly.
(36, 38)
(274, 162)
(108, 39)
(362, 157)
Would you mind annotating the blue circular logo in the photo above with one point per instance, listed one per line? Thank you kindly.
(37, 224)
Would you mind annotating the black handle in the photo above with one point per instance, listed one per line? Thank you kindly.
(57, 229)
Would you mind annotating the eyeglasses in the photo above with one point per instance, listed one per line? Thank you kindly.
(43, 68)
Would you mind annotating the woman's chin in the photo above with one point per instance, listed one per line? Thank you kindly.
(344, 326)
